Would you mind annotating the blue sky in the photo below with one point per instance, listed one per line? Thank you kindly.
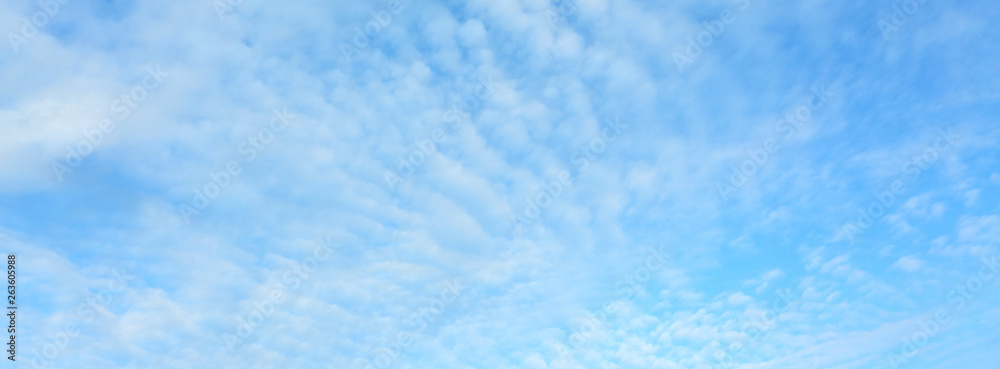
(502, 184)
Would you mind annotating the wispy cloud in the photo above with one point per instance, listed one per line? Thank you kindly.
(492, 175)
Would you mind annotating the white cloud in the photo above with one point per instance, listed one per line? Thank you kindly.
(910, 263)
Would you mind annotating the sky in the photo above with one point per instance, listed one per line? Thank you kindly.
(502, 184)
